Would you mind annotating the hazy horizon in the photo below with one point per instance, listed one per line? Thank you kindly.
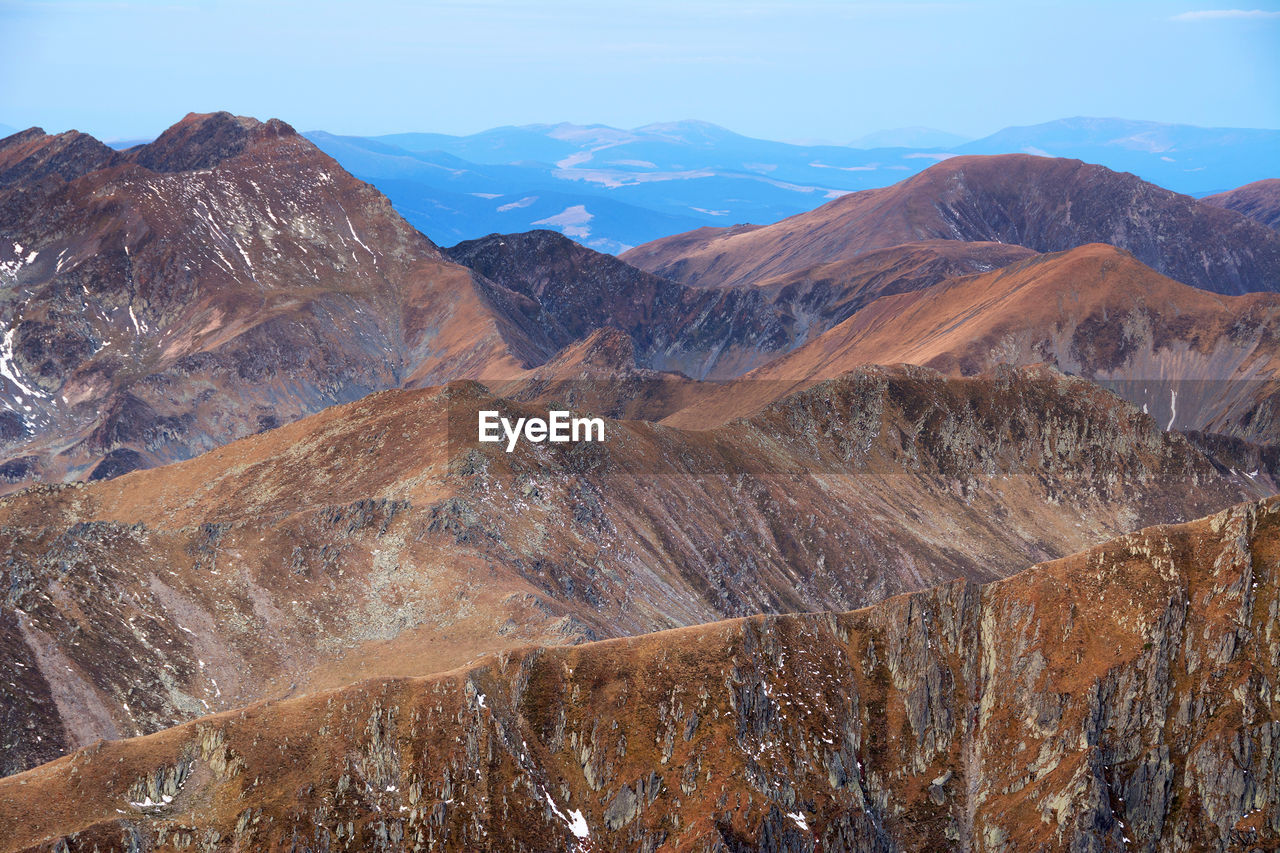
(124, 140)
(812, 70)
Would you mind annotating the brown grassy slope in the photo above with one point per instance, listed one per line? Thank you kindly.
(1094, 311)
(1260, 201)
(1116, 699)
(820, 297)
(1042, 203)
(599, 374)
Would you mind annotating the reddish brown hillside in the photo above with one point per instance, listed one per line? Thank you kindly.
(599, 374)
(1041, 203)
(1094, 312)
(1117, 699)
(817, 298)
(378, 538)
(226, 278)
(1260, 201)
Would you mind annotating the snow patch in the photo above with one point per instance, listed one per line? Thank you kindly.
(10, 370)
(356, 237)
(148, 803)
(574, 820)
(578, 824)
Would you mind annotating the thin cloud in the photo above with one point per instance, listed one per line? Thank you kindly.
(1225, 15)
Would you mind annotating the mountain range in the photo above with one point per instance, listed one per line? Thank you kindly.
(938, 516)
(612, 189)
(1191, 359)
(224, 279)
(217, 281)
(1043, 204)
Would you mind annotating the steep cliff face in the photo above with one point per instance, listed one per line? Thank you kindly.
(1042, 203)
(1118, 699)
(567, 291)
(379, 539)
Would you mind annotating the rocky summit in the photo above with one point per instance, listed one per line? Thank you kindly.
(224, 279)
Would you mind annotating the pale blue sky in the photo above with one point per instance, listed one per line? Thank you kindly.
(811, 69)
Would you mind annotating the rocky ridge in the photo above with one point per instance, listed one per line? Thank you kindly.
(1121, 698)
(229, 277)
(379, 539)
(1192, 359)
(567, 291)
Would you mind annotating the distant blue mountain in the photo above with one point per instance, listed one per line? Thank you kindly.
(910, 137)
(1184, 158)
(450, 199)
(611, 188)
(636, 185)
(123, 144)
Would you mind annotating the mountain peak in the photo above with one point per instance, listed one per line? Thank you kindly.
(203, 140)
(1047, 204)
(32, 155)
(909, 137)
(689, 131)
(21, 137)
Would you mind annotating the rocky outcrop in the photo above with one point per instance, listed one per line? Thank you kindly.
(1118, 699)
(37, 160)
(568, 291)
(204, 141)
